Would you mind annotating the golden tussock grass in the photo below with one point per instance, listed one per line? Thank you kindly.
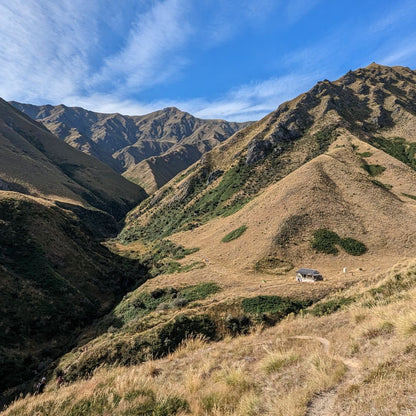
(365, 355)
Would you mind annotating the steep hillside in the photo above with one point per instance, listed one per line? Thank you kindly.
(54, 280)
(347, 126)
(55, 277)
(123, 142)
(34, 162)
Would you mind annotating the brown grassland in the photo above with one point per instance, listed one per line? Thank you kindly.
(357, 361)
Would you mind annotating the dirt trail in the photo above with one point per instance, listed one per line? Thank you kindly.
(322, 404)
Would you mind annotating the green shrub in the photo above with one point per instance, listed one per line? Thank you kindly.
(173, 333)
(409, 196)
(365, 154)
(199, 292)
(234, 234)
(160, 258)
(324, 241)
(273, 304)
(353, 247)
(385, 186)
(373, 170)
(237, 325)
(144, 303)
(331, 306)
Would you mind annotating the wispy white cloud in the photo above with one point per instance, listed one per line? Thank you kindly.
(401, 53)
(149, 54)
(44, 46)
(396, 15)
(248, 102)
(54, 50)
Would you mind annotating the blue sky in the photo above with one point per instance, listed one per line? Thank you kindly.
(232, 59)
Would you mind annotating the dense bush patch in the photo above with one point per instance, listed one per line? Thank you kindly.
(409, 196)
(325, 241)
(398, 148)
(382, 185)
(147, 302)
(278, 306)
(331, 306)
(234, 234)
(365, 154)
(373, 170)
(352, 246)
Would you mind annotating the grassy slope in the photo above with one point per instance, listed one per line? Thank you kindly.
(358, 360)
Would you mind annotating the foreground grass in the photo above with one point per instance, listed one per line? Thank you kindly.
(363, 352)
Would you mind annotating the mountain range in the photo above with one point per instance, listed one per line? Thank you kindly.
(149, 150)
(327, 181)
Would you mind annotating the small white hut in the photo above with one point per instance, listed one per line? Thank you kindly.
(308, 275)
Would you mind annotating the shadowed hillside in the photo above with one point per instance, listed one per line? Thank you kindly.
(34, 162)
(55, 277)
(172, 139)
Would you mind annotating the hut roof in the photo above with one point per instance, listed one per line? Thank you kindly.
(311, 272)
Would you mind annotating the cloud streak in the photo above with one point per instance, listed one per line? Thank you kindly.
(50, 50)
(248, 102)
(149, 55)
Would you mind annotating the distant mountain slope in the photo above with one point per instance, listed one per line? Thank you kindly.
(33, 161)
(350, 126)
(123, 142)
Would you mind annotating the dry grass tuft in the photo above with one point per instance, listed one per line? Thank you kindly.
(276, 361)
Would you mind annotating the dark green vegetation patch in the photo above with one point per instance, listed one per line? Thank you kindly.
(276, 305)
(325, 241)
(409, 196)
(373, 170)
(331, 306)
(382, 185)
(365, 154)
(146, 302)
(234, 234)
(398, 148)
(160, 259)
